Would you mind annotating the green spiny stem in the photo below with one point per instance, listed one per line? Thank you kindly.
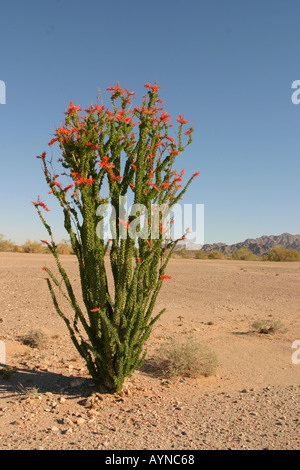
(110, 333)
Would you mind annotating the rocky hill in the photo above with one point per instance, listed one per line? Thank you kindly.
(258, 246)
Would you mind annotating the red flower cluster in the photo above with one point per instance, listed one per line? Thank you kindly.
(40, 203)
(154, 88)
(94, 146)
(125, 224)
(105, 164)
(116, 89)
(72, 109)
(43, 156)
(181, 120)
(80, 180)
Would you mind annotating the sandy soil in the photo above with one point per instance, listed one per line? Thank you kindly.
(47, 400)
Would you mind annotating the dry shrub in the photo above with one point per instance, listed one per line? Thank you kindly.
(6, 245)
(34, 247)
(64, 249)
(269, 326)
(35, 339)
(186, 358)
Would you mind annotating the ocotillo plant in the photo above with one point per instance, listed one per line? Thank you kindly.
(106, 156)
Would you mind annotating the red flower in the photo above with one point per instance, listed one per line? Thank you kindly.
(154, 88)
(68, 187)
(165, 277)
(104, 163)
(44, 268)
(139, 259)
(56, 183)
(80, 180)
(94, 310)
(196, 174)
(43, 206)
(165, 117)
(114, 178)
(42, 156)
(125, 224)
(95, 147)
(52, 141)
(45, 241)
(72, 108)
(116, 89)
(40, 203)
(181, 120)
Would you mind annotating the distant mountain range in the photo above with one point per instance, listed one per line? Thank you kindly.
(259, 246)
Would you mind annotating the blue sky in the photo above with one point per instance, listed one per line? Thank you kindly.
(227, 66)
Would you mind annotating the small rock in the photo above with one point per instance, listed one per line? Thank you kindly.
(80, 421)
(67, 431)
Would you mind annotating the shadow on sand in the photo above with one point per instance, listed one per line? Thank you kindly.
(24, 380)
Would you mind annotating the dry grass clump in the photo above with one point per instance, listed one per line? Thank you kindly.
(186, 358)
(35, 339)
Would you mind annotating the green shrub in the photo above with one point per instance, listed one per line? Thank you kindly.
(216, 254)
(280, 253)
(243, 254)
(200, 254)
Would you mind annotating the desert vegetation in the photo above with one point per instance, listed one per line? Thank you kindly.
(129, 153)
(32, 246)
(269, 326)
(185, 358)
(278, 253)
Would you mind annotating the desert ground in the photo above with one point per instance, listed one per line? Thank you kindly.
(47, 400)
